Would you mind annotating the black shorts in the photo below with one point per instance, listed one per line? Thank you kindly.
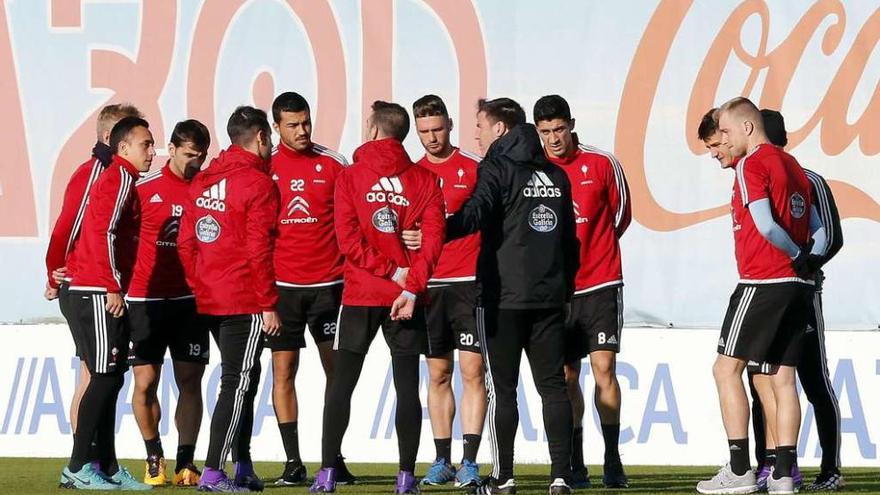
(358, 326)
(67, 312)
(451, 322)
(103, 339)
(157, 326)
(595, 323)
(765, 323)
(812, 345)
(297, 307)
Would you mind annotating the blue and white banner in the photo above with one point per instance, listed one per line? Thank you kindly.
(670, 407)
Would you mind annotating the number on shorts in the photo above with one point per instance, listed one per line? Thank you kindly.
(330, 328)
(195, 349)
(466, 339)
(601, 338)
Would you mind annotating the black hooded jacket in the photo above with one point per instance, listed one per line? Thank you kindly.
(522, 206)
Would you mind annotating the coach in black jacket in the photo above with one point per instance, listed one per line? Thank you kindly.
(525, 273)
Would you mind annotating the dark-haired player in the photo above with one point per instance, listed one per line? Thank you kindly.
(162, 310)
(528, 259)
(602, 214)
(308, 267)
(381, 194)
(61, 253)
(225, 245)
(99, 279)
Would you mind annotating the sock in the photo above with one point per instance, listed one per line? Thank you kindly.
(611, 434)
(786, 456)
(93, 451)
(739, 456)
(154, 447)
(770, 457)
(185, 455)
(290, 439)
(337, 407)
(577, 448)
(471, 447)
(408, 419)
(102, 389)
(444, 448)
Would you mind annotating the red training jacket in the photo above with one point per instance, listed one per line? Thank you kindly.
(379, 196)
(158, 273)
(226, 235)
(602, 214)
(62, 244)
(458, 177)
(108, 241)
(769, 172)
(306, 253)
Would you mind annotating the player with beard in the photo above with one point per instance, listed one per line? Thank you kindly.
(225, 245)
(308, 268)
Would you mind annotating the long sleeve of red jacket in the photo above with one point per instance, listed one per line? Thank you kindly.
(107, 201)
(262, 213)
(186, 246)
(433, 225)
(72, 209)
(352, 242)
(618, 196)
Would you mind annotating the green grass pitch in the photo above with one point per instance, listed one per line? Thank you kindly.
(32, 475)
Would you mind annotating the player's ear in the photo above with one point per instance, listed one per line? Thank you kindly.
(748, 127)
(276, 127)
(571, 125)
(449, 121)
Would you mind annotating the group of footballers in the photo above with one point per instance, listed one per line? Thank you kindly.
(515, 251)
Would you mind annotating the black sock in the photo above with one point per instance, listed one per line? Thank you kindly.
(337, 408)
(444, 449)
(471, 447)
(739, 456)
(154, 447)
(786, 457)
(101, 391)
(577, 448)
(185, 455)
(770, 457)
(408, 420)
(290, 439)
(611, 434)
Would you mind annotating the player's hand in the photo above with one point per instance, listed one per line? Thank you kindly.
(51, 293)
(412, 239)
(271, 323)
(402, 308)
(58, 274)
(401, 279)
(115, 304)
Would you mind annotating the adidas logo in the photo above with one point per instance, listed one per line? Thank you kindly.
(274, 176)
(156, 198)
(214, 198)
(387, 190)
(612, 340)
(298, 204)
(540, 186)
(810, 329)
(721, 342)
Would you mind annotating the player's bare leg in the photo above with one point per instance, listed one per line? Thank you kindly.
(148, 413)
(328, 362)
(473, 400)
(284, 367)
(788, 421)
(441, 409)
(81, 384)
(732, 396)
(188, 415)
(607, 399)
